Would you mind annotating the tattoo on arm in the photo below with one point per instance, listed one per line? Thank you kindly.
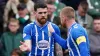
(58, 50)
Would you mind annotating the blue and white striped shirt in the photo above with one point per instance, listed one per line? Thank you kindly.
(77, 42)
(42, 42)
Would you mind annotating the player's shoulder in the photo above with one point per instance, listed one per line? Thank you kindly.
(29, 26)
(77, 30)
(54, 25)
(77, 27)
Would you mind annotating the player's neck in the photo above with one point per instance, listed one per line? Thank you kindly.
(70, 23)
(39, 24)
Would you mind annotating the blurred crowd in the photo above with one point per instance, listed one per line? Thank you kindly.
(15, 14)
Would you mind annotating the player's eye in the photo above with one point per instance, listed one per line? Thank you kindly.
(42, 12)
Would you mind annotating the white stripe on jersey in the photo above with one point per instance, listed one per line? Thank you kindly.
(69, 45)
(36, 40)
(49, 46)
(29, 54)
(42, 39)
(42, 35)
(75, 46)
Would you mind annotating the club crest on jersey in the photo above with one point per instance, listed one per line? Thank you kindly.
(43, 44)
(75, 26)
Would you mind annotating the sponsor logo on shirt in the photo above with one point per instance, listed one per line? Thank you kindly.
(43, 44)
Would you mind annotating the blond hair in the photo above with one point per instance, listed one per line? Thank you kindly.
(68, 12)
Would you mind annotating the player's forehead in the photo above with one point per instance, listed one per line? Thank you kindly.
(42, 10)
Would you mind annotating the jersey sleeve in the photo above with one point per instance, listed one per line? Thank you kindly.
(80, 39)
(27, 32)
(57, 36)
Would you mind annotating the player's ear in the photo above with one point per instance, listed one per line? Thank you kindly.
(35, 13)
(65, 18)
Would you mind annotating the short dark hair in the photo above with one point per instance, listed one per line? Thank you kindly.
(84, 5)
(96, 18)
(49, 2)
(21, 6)
(39, 5)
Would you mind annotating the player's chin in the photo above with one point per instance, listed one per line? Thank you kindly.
(63, 25)
(43, 21)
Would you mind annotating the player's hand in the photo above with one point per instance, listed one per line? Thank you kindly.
(23, 46)
(50, 28)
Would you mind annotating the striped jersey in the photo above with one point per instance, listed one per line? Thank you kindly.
(42, 42)
(77, 41)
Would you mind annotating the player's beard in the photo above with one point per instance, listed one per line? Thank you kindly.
(63, 24)
(42, 21)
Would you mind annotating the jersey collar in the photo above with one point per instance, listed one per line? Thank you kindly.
(71, 26)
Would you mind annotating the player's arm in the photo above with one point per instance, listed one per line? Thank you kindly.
(60, 40)
(58, 48)
(57, 38)
(26, 45)
(81, 42)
